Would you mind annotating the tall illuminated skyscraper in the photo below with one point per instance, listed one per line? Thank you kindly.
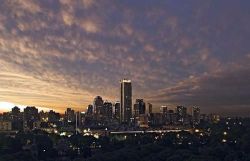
(126, 101)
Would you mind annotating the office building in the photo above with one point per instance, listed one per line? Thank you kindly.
(196, 115)
(150, 108)
(90, 110)
(139, 107)
(126, 101)
(98, 105)
(107, 108)
(181, 112)
(156, 119)
(31, 116)
(117, 107)
(53, 116)
(16, 118)
(15, 112)
(70, 115)
(171, 117)
(164, 109)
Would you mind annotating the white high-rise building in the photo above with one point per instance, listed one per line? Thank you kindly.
(126, 101)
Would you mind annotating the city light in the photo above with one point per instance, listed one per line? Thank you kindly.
(197, 130)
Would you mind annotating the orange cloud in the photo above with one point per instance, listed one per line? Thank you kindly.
(90, 26)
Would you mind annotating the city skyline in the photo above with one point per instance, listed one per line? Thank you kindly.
(62, 53)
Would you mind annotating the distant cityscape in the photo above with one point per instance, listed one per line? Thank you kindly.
(110, 117)
(118, 131)
(108, 130)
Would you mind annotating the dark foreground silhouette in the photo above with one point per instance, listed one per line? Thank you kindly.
(228, 140)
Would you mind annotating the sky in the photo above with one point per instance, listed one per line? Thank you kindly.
(62, 53)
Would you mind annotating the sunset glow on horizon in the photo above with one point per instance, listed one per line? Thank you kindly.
(7, 106)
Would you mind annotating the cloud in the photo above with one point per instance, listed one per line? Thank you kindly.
(127, 29)
(22, 89)
(149, 48)
(89, 23)
(90, 26)
(2, 22)
(64, 53)
(217, 90)
(28, 5)
(88, 3)
(204, 54)
(68, 18)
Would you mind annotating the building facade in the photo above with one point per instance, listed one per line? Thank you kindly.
(98, 105)
(150, 108)
(126, 101)
(117, 110)
(139, 107)
(196, 115)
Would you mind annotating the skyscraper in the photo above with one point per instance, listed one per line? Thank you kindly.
(70, 115)
(30, 116)
(139, 107)
(171, 117)
(16, 118)
(98, 105)
(107, 106)
(181, 113)
(15, 111)
(196, 115)
(126, 101)
(90, 110)
(164, 110)
(53, 116)
(150, 108)
(117, 110)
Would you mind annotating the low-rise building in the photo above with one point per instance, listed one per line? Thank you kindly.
(5, 126)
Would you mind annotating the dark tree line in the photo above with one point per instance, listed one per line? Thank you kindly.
(228, 140)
